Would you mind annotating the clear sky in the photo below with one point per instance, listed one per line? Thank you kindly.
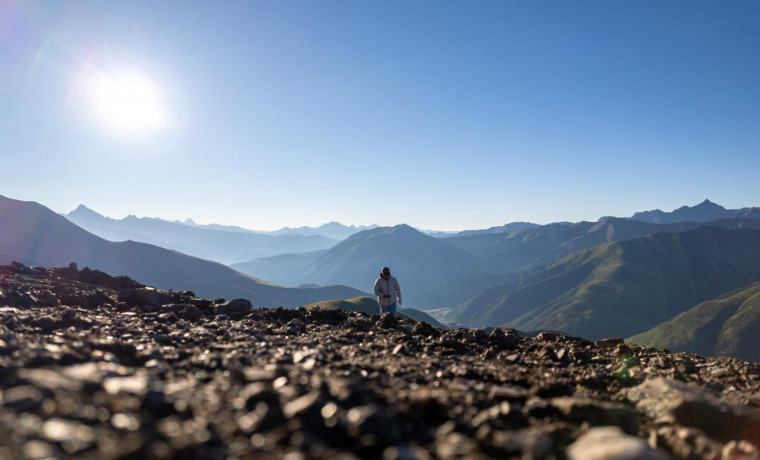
(440, 114)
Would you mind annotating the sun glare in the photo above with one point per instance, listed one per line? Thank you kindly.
(127, 103)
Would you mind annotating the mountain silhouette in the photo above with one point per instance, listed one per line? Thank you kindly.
(622, 288)
(539, 246)
(498, 257)
(706, 211)
(726, 327)
(219, 245)
(334, 230)
(34, 235)
(506, 228)
(227, 228)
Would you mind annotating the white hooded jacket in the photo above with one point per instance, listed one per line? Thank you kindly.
(389, 287)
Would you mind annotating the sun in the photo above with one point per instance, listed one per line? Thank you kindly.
(127, 102)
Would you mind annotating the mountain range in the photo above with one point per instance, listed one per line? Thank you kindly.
(666, 279)
(622, 288)
(334, 230)
(538, 246)
(506, 228)
(34, 235)
(706, 211)
(219, 245)
(228, 228)
(441, 277)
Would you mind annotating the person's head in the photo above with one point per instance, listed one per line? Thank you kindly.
(385, 272)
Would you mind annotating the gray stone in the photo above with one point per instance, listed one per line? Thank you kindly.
(190, 313)
(359, 324)
(49, 299)
(38, 450)
(610, 443)
(46, 323)
(234, 306)
(586, 410)
(501, 392)
(50, 379)
(172, 308)
(148, 308)
(299, 405)
(502, 415)
(505, 339)
(23, 398)
(425, 329)
(144, 296)
(740, 450)
(608, 343)
(547, 336)
(76, 436)
(672, 401)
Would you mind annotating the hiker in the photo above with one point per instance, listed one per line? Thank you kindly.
(387, 291)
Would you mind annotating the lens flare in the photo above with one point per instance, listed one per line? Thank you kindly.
(127, 102)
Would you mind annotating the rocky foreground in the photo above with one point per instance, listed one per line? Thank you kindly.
(98, 367)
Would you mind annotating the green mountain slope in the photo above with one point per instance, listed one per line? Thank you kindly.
(727, 326)
(454, 291)
(622, 288)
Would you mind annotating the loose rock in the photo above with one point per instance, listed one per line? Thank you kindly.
(119, 370)
(609, 443)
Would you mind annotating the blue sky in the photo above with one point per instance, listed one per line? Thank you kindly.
(439, 114)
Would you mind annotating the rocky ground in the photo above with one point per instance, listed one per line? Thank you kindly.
(98, 367)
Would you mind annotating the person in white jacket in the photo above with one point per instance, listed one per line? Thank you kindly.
(388, 292)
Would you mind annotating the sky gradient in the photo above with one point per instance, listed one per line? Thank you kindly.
(439, 114)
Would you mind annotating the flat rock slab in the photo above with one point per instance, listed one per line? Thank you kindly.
(671, 401)
(610, 443)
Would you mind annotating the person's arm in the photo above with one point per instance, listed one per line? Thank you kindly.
(398, 292)
(378, 289)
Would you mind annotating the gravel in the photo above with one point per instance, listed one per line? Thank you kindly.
(98, 367)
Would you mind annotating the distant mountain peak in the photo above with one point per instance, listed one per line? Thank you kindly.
(395, 230)
(332, 229)
(506, 228)
(84, 211)
(705, 211)
(709, 204)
